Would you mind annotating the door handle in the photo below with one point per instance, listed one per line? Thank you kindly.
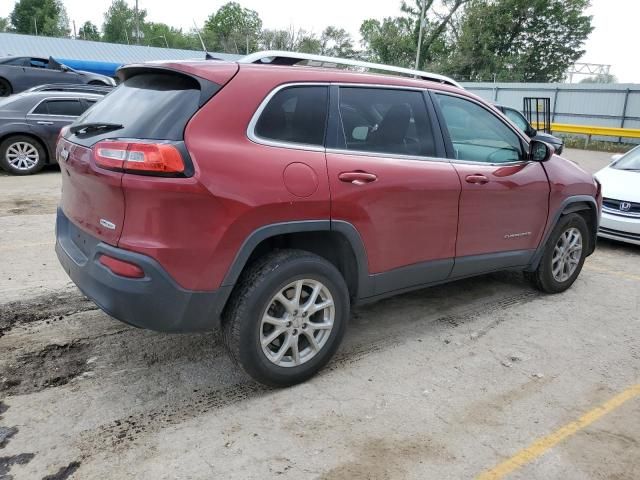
(357, 178)
(477, 178)
(44, 123)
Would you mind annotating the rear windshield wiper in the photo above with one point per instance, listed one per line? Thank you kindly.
(95, 126)
(630, 169)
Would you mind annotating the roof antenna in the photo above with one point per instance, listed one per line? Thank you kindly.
(207, 55)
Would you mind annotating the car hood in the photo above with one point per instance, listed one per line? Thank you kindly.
(545, 137)
(620, 184)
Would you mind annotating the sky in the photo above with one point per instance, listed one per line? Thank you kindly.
(612, 42)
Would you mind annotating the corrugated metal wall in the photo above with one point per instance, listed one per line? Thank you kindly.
(608, 105)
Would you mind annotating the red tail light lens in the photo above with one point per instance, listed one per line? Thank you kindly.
(120, 267)
(138, 157)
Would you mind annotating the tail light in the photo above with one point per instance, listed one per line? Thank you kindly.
(139, 157)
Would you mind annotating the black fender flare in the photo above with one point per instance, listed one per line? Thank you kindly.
(572, 204)
(350, 233)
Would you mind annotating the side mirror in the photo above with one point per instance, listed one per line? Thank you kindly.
(64, 68)
(616, 157)
(540, 151)
(531, 132)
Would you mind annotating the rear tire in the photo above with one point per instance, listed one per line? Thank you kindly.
(22, 155)
(564, 255)
(286, 318)
(5, 88)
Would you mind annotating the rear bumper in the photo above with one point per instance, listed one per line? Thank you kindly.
(153, 302)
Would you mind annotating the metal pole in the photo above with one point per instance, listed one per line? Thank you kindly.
(137, 24)
(165, 40)
(424, 4)
(75, 35)
(624, 111)
(35, 22)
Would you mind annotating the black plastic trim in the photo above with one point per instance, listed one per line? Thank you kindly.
(155, 302)
(490, 262)
(263, 233)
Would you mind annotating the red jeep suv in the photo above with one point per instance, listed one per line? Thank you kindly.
(267, 198)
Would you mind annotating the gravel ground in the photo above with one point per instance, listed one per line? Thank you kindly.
(442, 383)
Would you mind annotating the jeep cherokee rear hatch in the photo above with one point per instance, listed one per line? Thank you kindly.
(135, 130)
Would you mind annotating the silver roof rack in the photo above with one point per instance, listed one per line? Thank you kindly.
(277, 57)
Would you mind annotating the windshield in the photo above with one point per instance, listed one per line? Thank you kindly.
(630, 161)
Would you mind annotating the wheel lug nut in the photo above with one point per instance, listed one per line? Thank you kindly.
(304, 314)
(295, 331)
(288, 324)
(304, 325)
(295, 312)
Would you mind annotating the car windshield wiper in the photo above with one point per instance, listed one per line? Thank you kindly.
(630, 169)
(90, 127)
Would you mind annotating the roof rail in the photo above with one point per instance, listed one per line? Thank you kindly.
(277, 57)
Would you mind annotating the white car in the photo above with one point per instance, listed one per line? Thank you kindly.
(621, 198)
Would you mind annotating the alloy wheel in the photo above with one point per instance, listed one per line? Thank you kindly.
(566, 254)
(22, 156)
(297, 323)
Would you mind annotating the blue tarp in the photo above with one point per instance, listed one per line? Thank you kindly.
(103, 68)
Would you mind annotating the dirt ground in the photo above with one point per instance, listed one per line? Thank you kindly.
(448, 382)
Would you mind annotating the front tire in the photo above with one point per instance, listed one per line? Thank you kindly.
(22, 155)
(287, 317)
(564, 255)
(5, 88)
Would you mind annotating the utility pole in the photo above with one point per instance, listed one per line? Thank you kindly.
(137, 24)
(35, 23)
(75, 35)
(424, 4)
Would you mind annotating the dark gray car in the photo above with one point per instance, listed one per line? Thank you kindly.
(523, 124)
(30, 124)
(20, 73)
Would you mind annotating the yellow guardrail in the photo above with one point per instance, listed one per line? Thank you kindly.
(593, 130)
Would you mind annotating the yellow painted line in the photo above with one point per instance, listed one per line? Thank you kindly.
(541, 446)
(628, 276)
(8, 248)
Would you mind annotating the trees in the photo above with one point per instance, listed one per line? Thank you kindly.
(44, 17)
(120, 23)
(4, 24)
(89, 31)
(395, 39)
(336, 42)
(233, 29)
(520, 40)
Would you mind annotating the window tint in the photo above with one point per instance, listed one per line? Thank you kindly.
(295, 114)
(148, 105)
(386, 121)
(517, 118)
(18, 61)
(477, 134)
(70, 108)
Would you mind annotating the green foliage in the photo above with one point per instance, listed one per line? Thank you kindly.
(120, 23)
(520, 40)
(233, 29)
(390, 41)
(162, 35)
(89, 31)
(4, 24)
(49, 16)
(336, 42)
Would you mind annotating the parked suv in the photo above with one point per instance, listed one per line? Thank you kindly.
(267, 199)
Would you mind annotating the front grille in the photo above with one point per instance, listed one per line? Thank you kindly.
(618, 233)
(615, 207)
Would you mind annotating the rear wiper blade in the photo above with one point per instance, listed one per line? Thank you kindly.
(88, 127)
(630, 169)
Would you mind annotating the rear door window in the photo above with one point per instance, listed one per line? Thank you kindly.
(296, 114)
(67, 108)
(386, 121)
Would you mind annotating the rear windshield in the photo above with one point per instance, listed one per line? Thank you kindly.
(149, 106)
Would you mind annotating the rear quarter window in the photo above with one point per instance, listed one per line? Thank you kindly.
(296, 114)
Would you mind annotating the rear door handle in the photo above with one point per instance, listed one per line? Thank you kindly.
(477, 178)
(357, 178)
(44, 123)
